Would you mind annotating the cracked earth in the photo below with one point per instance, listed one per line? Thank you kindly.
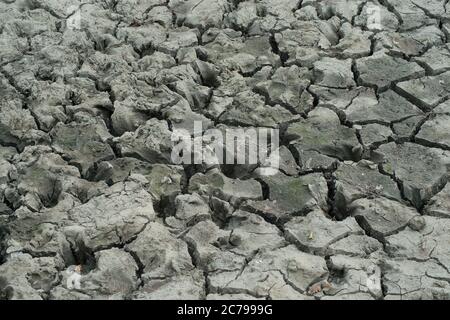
(359, 209)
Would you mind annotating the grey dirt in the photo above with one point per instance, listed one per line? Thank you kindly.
(91, 91)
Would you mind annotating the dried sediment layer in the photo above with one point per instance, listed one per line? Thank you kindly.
(92, 90)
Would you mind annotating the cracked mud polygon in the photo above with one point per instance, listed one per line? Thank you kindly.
(92, 205)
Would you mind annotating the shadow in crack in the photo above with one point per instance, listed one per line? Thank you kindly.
(3, 237)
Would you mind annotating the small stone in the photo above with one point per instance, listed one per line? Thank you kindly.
(417, 223)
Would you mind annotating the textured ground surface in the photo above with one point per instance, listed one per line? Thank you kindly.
(359, 210)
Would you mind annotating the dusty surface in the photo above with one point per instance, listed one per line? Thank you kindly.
(359, 210)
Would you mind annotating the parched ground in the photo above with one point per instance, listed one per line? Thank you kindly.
(91, 91)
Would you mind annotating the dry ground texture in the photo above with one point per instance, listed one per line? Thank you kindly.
(91, 91)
